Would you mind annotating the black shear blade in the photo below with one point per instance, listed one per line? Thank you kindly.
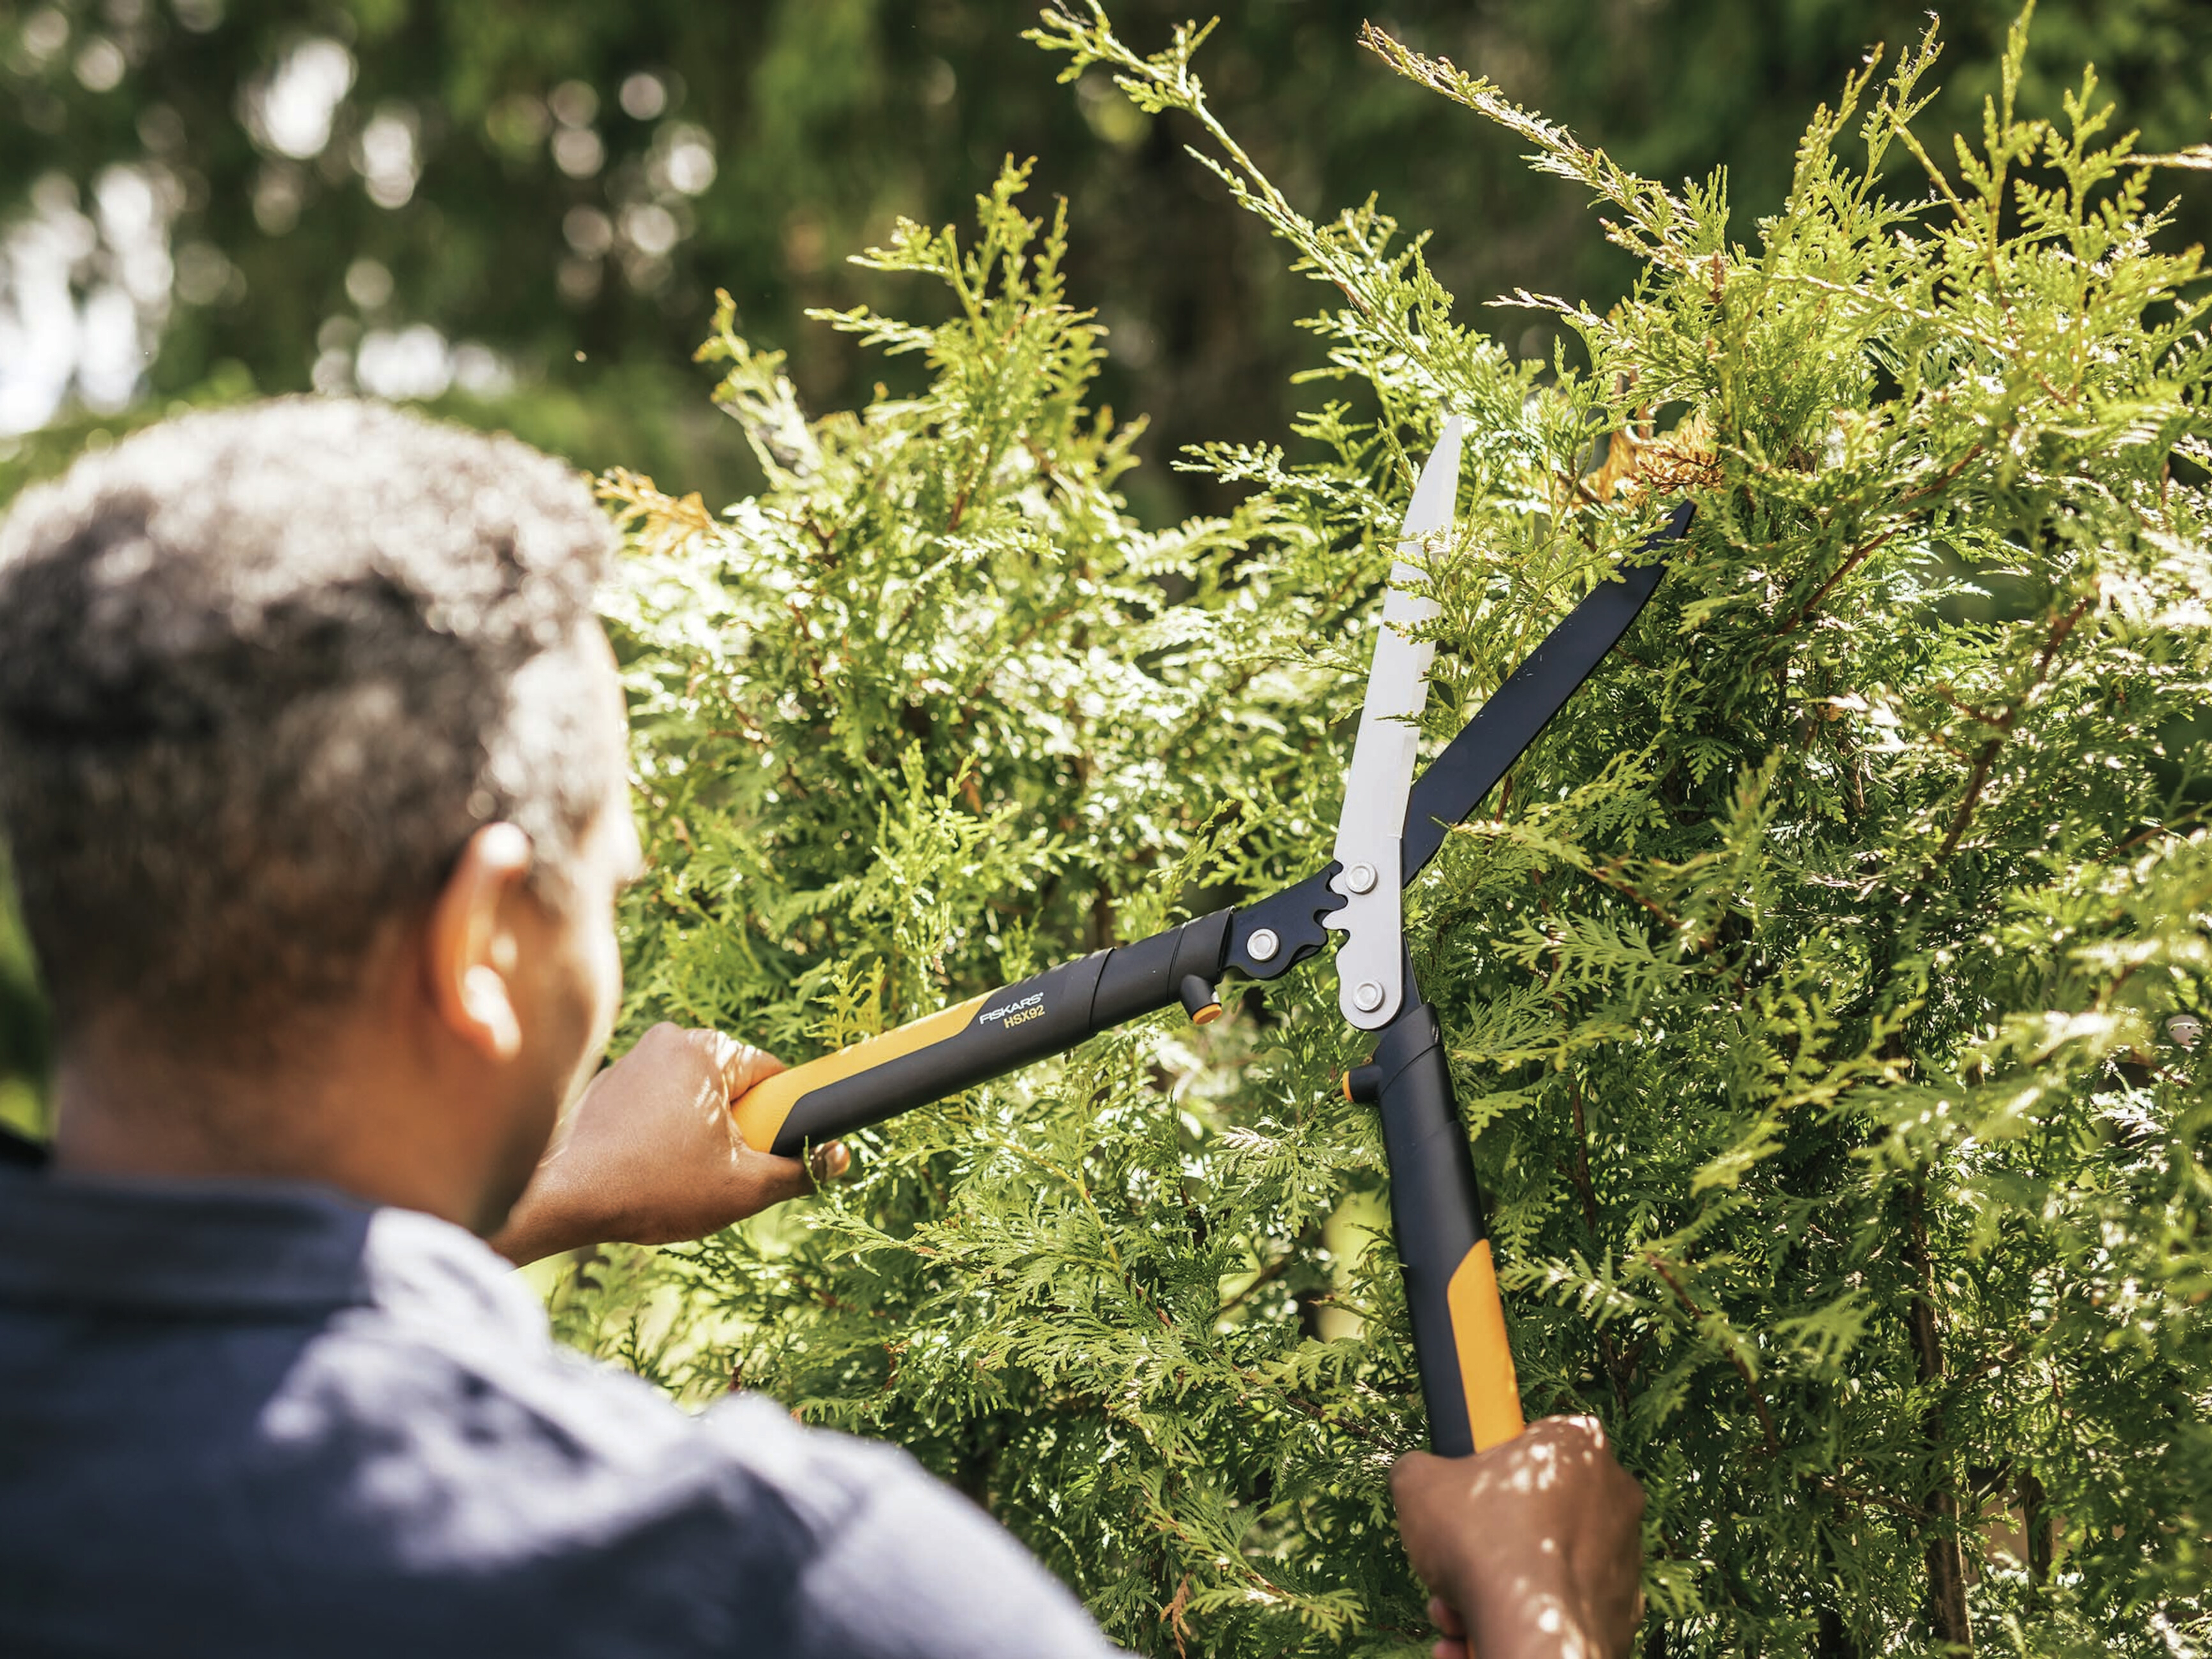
(1456, 781)
(1268, 937)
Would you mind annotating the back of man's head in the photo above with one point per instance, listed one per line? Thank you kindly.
(258, 689)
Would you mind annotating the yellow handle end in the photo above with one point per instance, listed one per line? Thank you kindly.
(762, 1109)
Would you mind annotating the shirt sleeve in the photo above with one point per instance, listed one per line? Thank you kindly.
(900, 1566)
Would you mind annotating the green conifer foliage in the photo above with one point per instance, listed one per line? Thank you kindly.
(1818, 988)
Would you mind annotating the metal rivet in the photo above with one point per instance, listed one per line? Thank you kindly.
(1361, 878)
(1367, 997)
(1262, 945)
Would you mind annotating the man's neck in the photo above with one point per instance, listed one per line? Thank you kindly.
(360, 1118)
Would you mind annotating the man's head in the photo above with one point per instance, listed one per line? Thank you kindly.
(270, 680)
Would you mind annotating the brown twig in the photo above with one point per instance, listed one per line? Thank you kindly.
(1750, 1382)
(1267, 1275)
(1986, 761)
(1857, 557)
(1947, 1565)
(1172, 1614)
(1866, 550)
(1604, 876)
(1616, 1372)
(1879, 1500)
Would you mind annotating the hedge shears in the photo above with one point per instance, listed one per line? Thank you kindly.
(1391, 825)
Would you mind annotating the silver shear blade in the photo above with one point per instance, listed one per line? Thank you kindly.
(1371, 962)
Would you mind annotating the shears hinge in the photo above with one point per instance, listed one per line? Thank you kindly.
(1370, 964)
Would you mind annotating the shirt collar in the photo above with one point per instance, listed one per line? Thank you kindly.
(241, 1247)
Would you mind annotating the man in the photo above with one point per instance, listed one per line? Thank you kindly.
(312, 764)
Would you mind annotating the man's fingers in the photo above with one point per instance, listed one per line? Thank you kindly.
(1584, 1423)
(775, 1178)
(1428, 1491)
(779, 1178)
(1412, 1471)
(1421, 1481)
(743, 1066)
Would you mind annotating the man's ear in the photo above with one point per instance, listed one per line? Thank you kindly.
(470, 951)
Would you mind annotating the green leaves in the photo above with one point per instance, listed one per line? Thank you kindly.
(1809, 986)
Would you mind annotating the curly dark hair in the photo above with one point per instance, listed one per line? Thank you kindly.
(262, 672)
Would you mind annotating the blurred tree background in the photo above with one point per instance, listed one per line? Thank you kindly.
(518, 213)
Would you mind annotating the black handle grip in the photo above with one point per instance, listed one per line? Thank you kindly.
(1436, 1212)
(982, 1038)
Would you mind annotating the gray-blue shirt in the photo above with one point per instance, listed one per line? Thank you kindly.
(254, 1418)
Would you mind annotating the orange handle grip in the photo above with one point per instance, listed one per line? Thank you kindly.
(1486, 1378)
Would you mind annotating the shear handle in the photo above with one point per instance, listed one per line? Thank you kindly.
(1001, 1031)
(1467, 1383)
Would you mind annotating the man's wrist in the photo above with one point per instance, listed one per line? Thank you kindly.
(546, 1220)
(522, 1243)
(1541, 1623)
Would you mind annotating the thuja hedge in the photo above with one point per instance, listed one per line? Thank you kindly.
(1818, 988)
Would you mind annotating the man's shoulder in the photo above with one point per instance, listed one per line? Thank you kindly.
(380, 1449)
(579, 1498)
(486, 1409)
(900, 1562)
(743, 1527)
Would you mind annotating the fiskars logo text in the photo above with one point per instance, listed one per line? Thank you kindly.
(1016, 1013)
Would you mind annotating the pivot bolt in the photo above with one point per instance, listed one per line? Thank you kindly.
(1262, 945)
(1360, 878)
(1367, 996)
